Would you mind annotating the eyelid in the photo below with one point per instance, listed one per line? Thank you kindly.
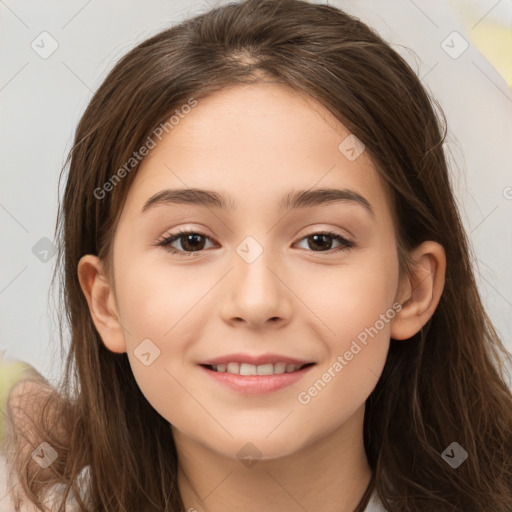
(166, 240)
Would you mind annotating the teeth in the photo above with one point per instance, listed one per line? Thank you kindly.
(279, 367)
(251, 369)
(265, 369)
(232, 368)
(248, 369)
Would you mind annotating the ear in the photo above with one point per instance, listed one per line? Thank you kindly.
(101, 299)
(421, 292)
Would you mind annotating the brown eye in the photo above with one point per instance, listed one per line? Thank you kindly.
(193, 242)
(190, 242)
(323, 241)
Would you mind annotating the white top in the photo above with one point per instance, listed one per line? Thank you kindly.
(6, 504)
(374, 505)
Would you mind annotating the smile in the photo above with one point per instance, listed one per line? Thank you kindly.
(250, 379)
(252, 369)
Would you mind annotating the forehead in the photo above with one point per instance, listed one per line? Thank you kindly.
(257, 141)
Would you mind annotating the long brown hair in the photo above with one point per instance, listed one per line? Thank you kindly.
(445, 384)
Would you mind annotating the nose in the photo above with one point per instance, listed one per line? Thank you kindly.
(256, 293)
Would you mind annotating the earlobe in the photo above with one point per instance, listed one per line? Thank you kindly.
(422, 292)
(101, 300)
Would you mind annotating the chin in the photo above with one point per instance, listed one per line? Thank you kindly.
(249, 448)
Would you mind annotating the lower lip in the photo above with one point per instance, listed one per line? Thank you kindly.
(257, 384)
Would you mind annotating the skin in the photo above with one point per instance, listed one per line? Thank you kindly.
(256, 143)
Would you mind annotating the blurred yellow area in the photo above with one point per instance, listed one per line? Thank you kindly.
(495, 43)
(489, 25)
(11, 372)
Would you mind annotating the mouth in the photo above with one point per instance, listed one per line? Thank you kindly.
(249, 379)
(246, 369)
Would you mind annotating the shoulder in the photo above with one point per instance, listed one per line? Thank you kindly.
(26, 401)
(6, 504)
(53, 497)
(7, 482)
(14, 412)
(23, 418)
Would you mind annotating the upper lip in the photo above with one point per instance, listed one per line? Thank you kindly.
(255, 360)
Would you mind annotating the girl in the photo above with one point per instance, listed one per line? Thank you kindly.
(269, 289)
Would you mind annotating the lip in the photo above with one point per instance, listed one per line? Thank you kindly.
(256, 384)
(256, 360)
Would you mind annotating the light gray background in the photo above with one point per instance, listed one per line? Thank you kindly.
(41, 101)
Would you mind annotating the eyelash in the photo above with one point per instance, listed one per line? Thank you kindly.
(346, 245)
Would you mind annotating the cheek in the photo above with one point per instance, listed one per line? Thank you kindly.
(355, 343)
(354, 305)
(159, 308)
(155, 299)
(349, 298)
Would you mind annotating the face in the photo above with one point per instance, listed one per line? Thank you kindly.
(315, 282)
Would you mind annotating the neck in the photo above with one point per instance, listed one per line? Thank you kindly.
(331, 474)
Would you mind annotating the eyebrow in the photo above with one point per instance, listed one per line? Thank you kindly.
(294, 199)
